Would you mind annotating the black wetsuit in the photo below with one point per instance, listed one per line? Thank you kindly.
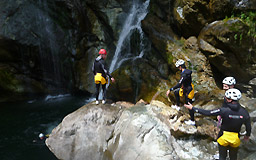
(225, 103)
(233, 117)
(184, 82)
(99, 66)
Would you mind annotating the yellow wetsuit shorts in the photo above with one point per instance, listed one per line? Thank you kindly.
(190, 95)
(229, 139)
(98, 78)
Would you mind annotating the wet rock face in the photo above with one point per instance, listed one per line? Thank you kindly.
(135, 81)
(31, 43)
(192, 16)
(13, 71)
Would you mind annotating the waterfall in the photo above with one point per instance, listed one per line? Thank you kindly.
(48, 45)
(132, 24)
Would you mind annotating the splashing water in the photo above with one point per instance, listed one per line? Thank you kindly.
(133, 23)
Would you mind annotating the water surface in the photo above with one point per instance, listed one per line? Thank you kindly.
(21, 123)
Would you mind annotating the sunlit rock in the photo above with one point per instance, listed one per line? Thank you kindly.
(113, 131)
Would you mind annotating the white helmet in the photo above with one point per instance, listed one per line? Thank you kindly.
(229, 81)
(233, 94)
(41, 135)
(179, 62)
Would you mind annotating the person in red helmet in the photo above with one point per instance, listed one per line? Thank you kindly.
(101, 74)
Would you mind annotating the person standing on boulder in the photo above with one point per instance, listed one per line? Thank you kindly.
(184, 87)
(233, 117)
(101, 72)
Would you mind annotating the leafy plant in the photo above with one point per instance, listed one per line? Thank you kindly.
(249, 18)
(235, 36)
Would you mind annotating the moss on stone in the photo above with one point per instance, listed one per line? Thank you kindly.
(169, 57)
(246, 18)
(7, 81)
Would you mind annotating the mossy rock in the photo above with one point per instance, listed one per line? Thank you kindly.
(15, 86)
(230, 55)
(8, 82)
(134, 81)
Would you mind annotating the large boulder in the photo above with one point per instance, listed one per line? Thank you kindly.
(126, 131)
(230, 49)
(192, 15)
(84, 134)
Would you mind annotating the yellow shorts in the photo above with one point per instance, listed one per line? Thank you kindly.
(98, 78)
(190, 95)
(229, 139)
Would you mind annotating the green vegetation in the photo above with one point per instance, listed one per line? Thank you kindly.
(170, 58)
(249, 19)
(8, 81)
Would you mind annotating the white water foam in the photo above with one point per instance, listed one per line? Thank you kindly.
(133, 22)
(50, 97)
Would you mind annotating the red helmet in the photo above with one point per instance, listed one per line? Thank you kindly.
(103, 51)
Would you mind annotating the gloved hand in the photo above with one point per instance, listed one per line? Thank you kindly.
(113, 80)
(168, 91)
(246, 139)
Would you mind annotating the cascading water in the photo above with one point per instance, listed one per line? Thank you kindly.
(131, 25)
(53, 50)
(42, 43)
(48, 47)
